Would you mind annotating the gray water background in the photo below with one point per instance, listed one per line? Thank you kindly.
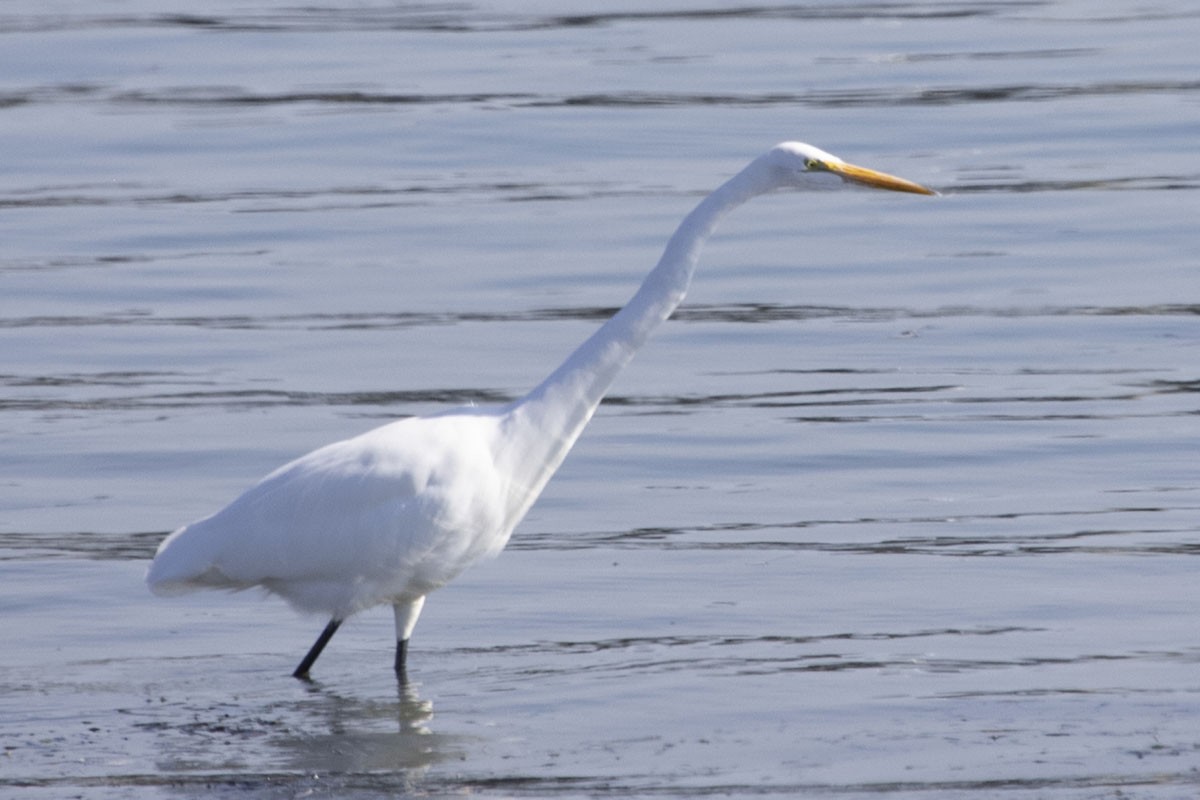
(902, 503)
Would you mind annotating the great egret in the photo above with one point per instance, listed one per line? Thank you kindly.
(392, 514)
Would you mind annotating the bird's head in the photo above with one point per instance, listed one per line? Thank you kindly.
(795, 165)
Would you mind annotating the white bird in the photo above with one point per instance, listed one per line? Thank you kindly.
(392, 514)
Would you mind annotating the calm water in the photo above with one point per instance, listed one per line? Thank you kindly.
(903, 503)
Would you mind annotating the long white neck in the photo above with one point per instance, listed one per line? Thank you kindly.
(550, 418)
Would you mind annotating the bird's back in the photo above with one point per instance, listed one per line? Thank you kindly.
(393, 513)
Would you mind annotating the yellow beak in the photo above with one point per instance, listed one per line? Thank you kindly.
(877, 180)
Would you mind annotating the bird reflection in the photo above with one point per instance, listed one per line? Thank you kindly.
(413, 711)
(348, 734)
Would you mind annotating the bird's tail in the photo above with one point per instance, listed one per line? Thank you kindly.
(180, 566)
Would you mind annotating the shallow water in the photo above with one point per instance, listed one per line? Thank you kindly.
(902, 503)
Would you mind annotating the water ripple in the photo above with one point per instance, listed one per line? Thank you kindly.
(738, 313)
(449, 18)
(861, 97)
(1128, 540)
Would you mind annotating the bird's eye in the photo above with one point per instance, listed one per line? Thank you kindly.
(811, 164)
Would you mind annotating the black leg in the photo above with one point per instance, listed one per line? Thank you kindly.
(315, 650)
(401, 656)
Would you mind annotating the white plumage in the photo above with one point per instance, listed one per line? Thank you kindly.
(392, 514)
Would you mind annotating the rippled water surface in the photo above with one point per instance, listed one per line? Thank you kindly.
(902, 503)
